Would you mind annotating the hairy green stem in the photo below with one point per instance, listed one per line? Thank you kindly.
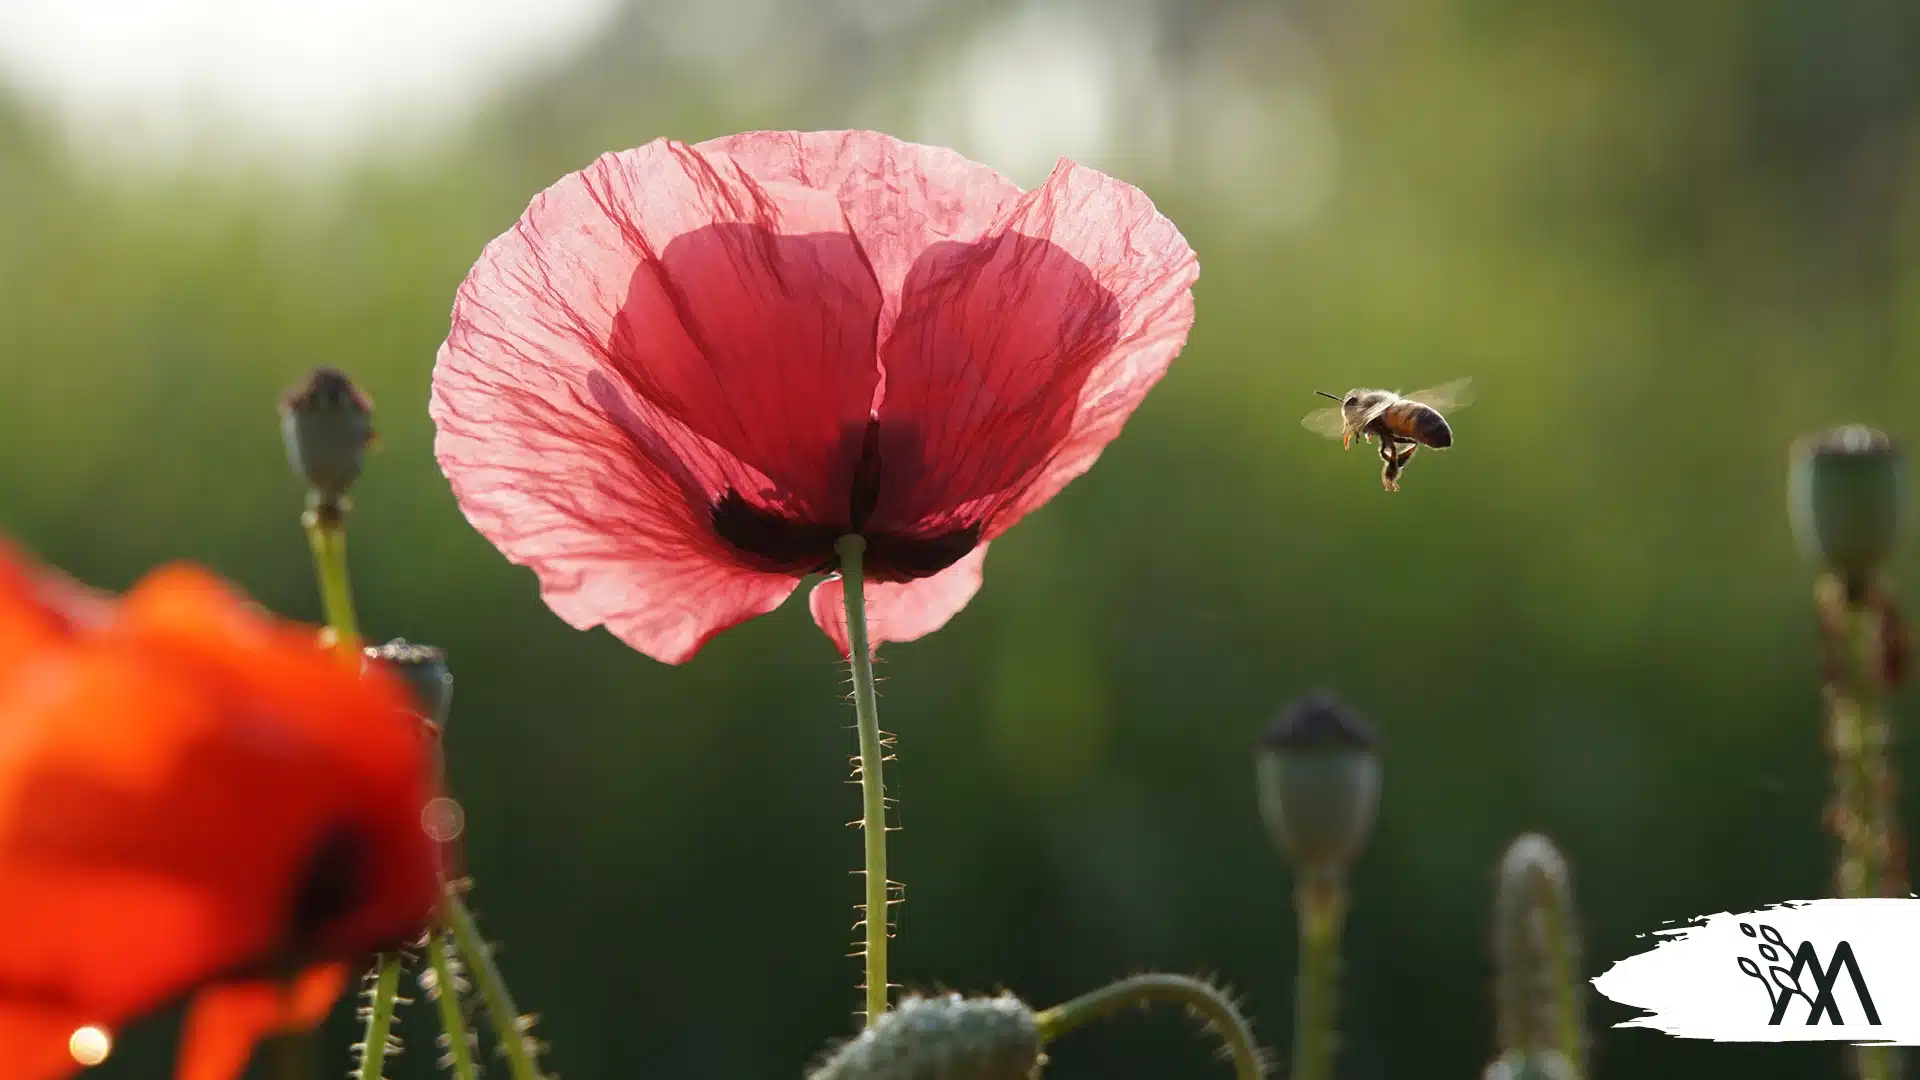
(446, 992)
(1321, 909)
(873, 789)
(1205, 1000)
(1569, 1028)
(386, 991)
(326, 527)
(1863, 815)
(501, 1012)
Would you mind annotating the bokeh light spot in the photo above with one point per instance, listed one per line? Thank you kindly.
(90, 1045)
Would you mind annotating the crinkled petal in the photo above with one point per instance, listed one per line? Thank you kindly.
(900, 611)
(900, 198)
(659, 329)
(1017, 358)
(227, 1021)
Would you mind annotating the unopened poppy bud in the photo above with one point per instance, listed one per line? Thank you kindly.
(327, 423)
(1847, 495)
(1319, 785)
(1536, 953)
(424, 669)
(1530, 1065)
(942, 1038)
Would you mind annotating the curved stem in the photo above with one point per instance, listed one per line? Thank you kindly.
(1205, 1000)
(1322, 914)
(326, 527)
(873, 789)
(386, 989)
(446, 993)
(501, 1012)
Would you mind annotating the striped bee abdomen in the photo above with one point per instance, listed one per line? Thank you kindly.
(1421, 423)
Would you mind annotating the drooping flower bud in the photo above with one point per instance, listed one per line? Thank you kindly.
(1319, 785)
(424, 669)
(942, 1038)
(327, 423)
(1536, 955)
(1847, 497)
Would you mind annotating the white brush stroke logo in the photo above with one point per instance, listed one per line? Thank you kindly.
(1803, 971)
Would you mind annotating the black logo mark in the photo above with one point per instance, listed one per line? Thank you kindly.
(1783, 983)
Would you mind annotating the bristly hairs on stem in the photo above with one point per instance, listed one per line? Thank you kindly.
(445, 984)
(874, 750)
(512, 1030)
(1213, 1004)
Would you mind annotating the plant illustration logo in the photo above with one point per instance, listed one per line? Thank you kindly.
(1783, 983)
(1835, 970)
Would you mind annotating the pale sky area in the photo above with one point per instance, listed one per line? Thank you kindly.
(304, 82)
(307, 76)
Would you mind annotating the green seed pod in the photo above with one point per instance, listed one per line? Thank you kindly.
(1521, 1065)
(424, 669)
(1319, 785)
(327, 423)
(1847, 498)
(1536, 954)
(942, 1038)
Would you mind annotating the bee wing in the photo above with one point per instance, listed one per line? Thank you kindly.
(1447, 397)
(1331, 422)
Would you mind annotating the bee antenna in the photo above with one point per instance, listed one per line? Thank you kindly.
(1323, 393)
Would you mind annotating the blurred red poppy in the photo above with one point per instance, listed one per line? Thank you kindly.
(195, 798)
(689, 369)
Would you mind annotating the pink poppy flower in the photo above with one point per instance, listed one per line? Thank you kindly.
(688, 370)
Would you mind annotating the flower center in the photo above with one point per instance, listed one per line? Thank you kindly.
(778, 543)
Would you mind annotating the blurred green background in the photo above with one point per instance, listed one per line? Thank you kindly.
(1665, 239)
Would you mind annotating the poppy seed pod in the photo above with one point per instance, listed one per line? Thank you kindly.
(424, 669)
(942, 1038)
(1523, 1065)
(327, 423)
(1319, 784)
(1847, 494)
(1536, 952)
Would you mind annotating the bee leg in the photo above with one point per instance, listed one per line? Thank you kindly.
(1396, 455)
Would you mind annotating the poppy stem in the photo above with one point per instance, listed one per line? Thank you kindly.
(510, 1030)
(446, 995)
(386, 991)
(873, 789)
(1322, 913)
(1213, 1006)
(326, 526)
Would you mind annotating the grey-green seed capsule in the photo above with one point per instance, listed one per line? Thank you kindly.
(942, 1038)
(327, 423)
(1319, 785)
(424, 669)
(1847, 498)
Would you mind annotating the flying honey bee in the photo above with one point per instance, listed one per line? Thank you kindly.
(1400, 424)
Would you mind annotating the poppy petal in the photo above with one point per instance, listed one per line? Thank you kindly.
(659, 332)
(226, 1022)
(1018, 357)
(39, 606)
(37, 1041)
(899, 197)
(900, 610)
